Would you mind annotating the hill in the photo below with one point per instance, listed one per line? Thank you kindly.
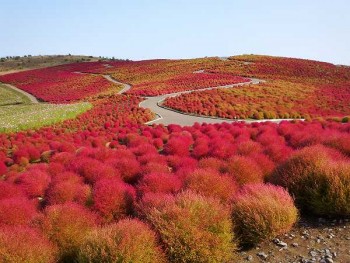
(113, 181)
(16, 63)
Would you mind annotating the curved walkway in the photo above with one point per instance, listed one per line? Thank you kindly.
(28, 95)
(168, 116)
(126, 87)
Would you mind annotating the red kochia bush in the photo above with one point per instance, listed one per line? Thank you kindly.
(113, 199)
(319, 178)
(66, 191)
(128, 167)
(66, 225)
(9, 190)
(23, 244)
(3, 168)
(91, 169)
(244, 170)
(159, 183)
(34, 182)
(192, 228)
(17, 211)
(129, 240)
(261, 212)
(210, 183)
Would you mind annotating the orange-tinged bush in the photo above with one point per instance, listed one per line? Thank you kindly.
(129, 240)
(261, 212)
(193, 228)
(244, 170)
(66, 191)
(23, 244)
(67, 225)
(212, 184)
(113, 199)
(319, 181)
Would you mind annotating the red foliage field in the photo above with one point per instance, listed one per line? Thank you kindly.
(104, 186)
(59, 84)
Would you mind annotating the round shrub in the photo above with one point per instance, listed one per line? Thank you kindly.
(67, 191)
(66, 225)
(3, 168)
(17, 211)
(210, 183)
(319, 178)
(245, 170)
(129, 240)
(193, 228)
(23, 244)
(262, 211)
(159, 183)
(113, 199)
(34, 182)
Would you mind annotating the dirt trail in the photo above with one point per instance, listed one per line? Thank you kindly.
(28, 95)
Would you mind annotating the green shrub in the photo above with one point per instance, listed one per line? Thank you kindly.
(192, 228)
(319, 179)
(262, 211)
(129, 240)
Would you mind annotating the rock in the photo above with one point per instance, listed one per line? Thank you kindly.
(313, 253)
(249, 258)
(295, 244)
(262, 255)
(329, 260)
(280, 243)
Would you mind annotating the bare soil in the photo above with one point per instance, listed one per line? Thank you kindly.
(312, 240)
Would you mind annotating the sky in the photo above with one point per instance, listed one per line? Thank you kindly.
(140, 29)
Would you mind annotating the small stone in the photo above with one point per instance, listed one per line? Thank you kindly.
(262, 255)
(249, 258)
(329, 260)
(313, 253)
(295, 244)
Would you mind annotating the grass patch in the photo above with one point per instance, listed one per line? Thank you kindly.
(9, 96)
(14, 118)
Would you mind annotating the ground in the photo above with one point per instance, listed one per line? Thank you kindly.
(312, 240)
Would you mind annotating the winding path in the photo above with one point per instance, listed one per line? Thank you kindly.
(28, 95)
(165, 115)
(168, 116)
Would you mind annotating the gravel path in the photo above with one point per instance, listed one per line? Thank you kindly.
(126, 87)
(28, 95)
(168, 116)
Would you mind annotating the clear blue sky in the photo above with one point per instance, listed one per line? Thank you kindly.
(314, 29)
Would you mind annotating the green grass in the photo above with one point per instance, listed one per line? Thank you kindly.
(30, 116)
(10, 97)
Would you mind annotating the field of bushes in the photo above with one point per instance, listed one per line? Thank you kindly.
(104, 187)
